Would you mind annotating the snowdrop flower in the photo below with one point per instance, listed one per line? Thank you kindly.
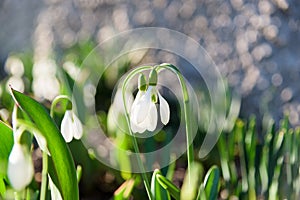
(143, 115)
(55, 194)
(20, 168)
(41, 140)
(71, 126)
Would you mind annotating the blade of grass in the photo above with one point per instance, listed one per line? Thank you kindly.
(211, 183)
(158, 192)
(168, 185)
(201, 193)
(250, 147)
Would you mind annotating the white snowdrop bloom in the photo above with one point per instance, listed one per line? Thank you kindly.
(143, 115)
(55, 194)
(45, 84)
(14, 66)
(41, 140)
(20, 167)
(71, 126)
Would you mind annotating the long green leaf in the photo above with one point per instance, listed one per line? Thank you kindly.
(168, 185)
(201, 193)
(63, 165)
(211, 183)
(158, 192)
(6, 143)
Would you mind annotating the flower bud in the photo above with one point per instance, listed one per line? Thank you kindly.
(20, 168)
(142, 84)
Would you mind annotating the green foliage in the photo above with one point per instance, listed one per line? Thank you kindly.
(124, 191)
(6, 143)
(61, 165)
(211, 183)
(255, 166)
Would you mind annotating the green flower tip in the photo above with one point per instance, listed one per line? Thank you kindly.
(153, 77)
(69, 105)
(142, 84)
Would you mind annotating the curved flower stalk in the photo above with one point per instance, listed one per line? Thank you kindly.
(71, 126)
(143, 114)
(143, 111)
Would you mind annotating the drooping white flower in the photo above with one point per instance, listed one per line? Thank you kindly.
(143, 115)
(41, 140)
(55, 194)
(20, 167)
(71, 126)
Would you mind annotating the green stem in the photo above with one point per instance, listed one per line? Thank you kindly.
(44, 176)
(28, 196)
(135, 144)
(187, 114)
(55, 101)
(17, 195)
(45, 155)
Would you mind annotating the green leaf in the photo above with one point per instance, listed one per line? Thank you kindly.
(124, 191)
(171, 167)
(168, 185)
(6, 144)
(211, 183)
(63, 165)
(201, 193)
(157, 190)
(2, 186)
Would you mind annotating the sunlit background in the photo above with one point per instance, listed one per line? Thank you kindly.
(255, 44)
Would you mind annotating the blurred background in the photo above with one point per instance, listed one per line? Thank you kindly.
(255, 44)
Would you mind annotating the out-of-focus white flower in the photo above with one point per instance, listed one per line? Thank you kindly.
(14, 66)
(118, 101)
(71, 126)
(45, 85)
(55, 194)
(143, 115)
(15, 82)
(71, 69)
(20, 168)
(4, 114)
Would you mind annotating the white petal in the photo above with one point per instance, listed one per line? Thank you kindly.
(20, 168)
(67, 126)
(137, 128)
(55, 194)
(133, 113)
(164, 110)
(152, 118)
(118, 101)
(41, 142)
(77, 127)
(143, 106)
